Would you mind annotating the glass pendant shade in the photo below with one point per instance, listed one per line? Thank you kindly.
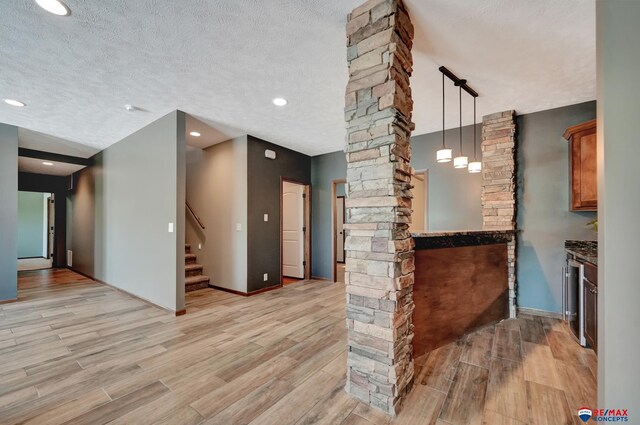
(475, 167)
(444, 155)
(460, 162)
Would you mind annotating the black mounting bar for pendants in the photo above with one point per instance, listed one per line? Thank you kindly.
(457, 81)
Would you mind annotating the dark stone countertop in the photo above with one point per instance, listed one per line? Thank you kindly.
(436, 240)
(584, 250)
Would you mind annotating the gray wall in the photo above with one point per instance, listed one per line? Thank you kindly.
(543, 204)
(454, 195)
(81, 229)
(618, 33)
(81, 223)
(263, 190)
(324, 169)
(135, 192)
(217, 191)
(8, 211)
(31, 225)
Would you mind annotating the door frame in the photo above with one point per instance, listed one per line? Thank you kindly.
(307, 225)
(334, 225)
(344, 212)
(425, 173)
(51, 226)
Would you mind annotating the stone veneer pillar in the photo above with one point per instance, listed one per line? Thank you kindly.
(379, 263)
(499, 185)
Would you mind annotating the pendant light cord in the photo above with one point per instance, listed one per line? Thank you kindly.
(475, 149)
(443, 144)
(460, 90)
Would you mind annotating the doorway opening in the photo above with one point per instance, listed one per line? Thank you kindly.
(420, 202)
(338, 213)
(36, 230)
(295, 232)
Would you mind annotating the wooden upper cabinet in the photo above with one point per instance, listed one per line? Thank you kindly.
(583, 155)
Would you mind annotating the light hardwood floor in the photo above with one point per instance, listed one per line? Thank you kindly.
(74, 351)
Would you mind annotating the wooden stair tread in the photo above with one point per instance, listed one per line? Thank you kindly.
(190, 256)
(189, 267)
(196, 279)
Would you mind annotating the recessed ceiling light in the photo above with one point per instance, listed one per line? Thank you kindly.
(13, 102)
(47, 163)
(279, 101)
(195, 134)
(54, 6)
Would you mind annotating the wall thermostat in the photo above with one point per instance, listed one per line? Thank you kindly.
(270, 154)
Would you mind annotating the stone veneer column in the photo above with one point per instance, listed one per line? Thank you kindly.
(499, 185)
(379, 263)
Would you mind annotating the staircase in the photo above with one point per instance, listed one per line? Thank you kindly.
(193, 277)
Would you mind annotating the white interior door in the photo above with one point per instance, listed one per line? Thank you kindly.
(292, 230)
(340, 229)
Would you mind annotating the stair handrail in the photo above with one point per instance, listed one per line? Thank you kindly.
(194, 215)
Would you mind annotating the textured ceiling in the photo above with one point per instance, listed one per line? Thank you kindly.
(224, 61)
(210, 134)
(34, 140)
(32, 165)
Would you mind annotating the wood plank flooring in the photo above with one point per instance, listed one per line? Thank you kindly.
(77, 352)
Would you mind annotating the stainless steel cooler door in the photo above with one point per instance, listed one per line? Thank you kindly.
(573, 299)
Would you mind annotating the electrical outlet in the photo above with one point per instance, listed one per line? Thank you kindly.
(265, 277)
(238, 227)
(266, 217)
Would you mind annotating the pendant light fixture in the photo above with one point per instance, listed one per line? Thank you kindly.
(475, 166)
(460, 161)
(444, 154)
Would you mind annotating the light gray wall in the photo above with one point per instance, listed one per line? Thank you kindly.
(324, 169)
(618, 57)
(543, 212)
(217, 190)
(133, 192)
(8, 211)
(453, 194)
(31, 224)
(139, 199)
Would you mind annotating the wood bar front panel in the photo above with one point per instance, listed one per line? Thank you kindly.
(458, 290)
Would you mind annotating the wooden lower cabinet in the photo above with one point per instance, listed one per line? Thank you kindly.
(591, 313)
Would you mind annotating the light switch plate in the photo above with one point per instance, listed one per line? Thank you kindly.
(265, 277)
(170, 227)
(200, 246)
(238, 227)
(266, 217)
